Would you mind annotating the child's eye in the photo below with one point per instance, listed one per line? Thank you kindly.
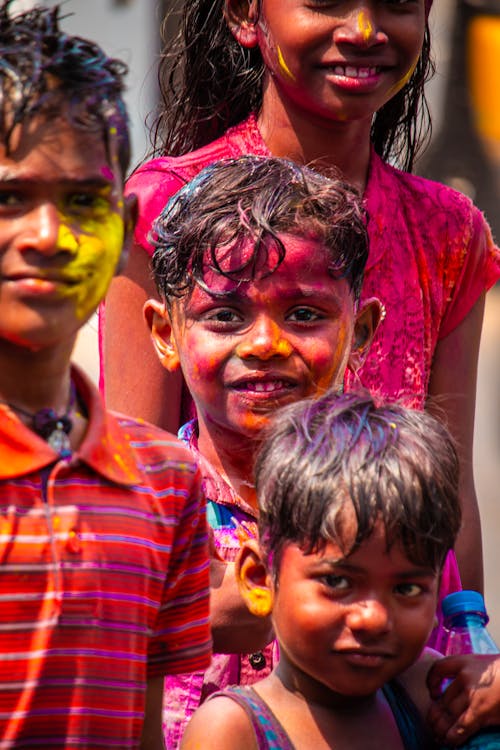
(409, 589)
(10, 199)
(84, 202)
(224, 315)
(338, 583)
(303, 315)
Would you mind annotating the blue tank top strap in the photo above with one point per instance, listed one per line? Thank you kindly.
(412, 728)
(269, 733)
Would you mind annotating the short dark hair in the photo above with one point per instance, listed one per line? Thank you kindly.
(391, 463)
(257, 198)
(43, 69)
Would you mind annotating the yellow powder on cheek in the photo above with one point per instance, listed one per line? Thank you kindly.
(98, 246)
(284, 67)
(404, 80)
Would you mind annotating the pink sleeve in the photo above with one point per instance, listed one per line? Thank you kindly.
(153, 183)
(480, 270)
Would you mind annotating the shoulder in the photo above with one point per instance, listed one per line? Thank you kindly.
(420, 190)
(414, 680)
(219, 724)
(157, 180)
(158, 455)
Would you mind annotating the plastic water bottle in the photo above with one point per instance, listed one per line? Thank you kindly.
(465, 621)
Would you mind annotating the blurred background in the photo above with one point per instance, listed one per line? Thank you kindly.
(464, 97)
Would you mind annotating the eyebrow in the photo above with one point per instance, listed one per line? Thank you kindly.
(306, 293)
(343, 563)
(97, 182)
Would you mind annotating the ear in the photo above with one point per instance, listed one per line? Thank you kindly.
(254, 582)
(158, 319)
(130, 213)
(368, 318)
(242, 17)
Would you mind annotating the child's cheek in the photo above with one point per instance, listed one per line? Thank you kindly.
(96, 247)
(404, 80)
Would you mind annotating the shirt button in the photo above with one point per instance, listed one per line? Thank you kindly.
(257, 660)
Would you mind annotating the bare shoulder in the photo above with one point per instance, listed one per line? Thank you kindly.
(414, 679)
(219, 724)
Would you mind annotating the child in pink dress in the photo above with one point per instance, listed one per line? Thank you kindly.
(329, 85)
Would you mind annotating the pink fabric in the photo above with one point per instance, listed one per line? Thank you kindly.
(431, 257)
(184, 693)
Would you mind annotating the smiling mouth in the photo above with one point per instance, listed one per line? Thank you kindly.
(263, 386)
(351, 71)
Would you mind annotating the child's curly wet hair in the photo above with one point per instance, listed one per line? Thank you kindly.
(43, 70)
(388, 462)
(255, 198)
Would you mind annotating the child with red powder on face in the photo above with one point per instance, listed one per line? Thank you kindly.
(259, 265)
(325, 84)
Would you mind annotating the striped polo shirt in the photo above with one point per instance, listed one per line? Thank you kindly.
(104, 579)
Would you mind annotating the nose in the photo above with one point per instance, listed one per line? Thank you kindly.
(370, 615)
(361, 28)
(44, 232)
(264, 340)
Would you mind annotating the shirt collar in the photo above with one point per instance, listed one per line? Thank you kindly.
(215, 487)
(104, 447)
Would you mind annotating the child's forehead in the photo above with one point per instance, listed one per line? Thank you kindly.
(43, 149)
(301, 265)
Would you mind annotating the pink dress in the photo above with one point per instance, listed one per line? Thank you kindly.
(431, 258)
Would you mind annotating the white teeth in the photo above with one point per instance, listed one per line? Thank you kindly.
(349, 71)
(265, 386)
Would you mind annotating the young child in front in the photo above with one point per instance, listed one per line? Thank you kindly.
(103, 540)
(259, 264)
(358, 507)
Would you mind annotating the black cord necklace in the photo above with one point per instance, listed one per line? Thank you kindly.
(52, 427)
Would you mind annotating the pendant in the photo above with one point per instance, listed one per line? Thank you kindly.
(59, 440)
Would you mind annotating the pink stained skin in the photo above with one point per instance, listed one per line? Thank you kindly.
(269, 343)
(340, 66)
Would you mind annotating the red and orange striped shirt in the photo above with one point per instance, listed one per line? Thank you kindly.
(103, 579)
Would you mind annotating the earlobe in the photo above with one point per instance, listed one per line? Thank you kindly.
(242, 17)
(253, 580)
(367, 321)
(158, 320)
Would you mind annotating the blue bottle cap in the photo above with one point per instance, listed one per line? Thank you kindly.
(463, 601)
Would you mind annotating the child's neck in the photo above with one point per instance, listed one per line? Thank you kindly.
(232, 456)
(35, 380)
(291, 132)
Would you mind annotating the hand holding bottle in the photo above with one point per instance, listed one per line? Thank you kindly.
(472, 699)
(465, 686)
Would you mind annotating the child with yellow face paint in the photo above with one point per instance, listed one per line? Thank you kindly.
(103, 529)
(325, 84)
